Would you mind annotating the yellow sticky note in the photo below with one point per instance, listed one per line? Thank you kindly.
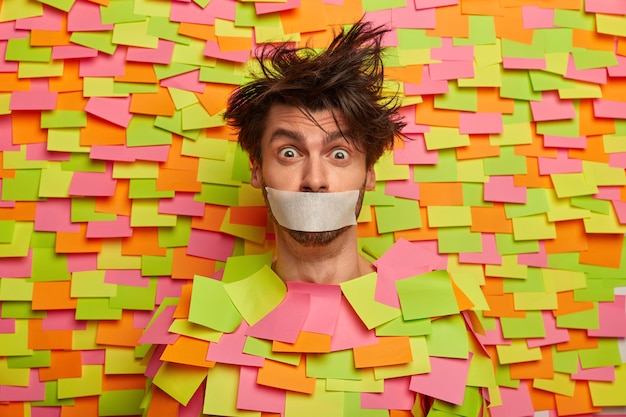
(16, 343)
(533, 228)
(66, 140)
(91, 284)
(54, 182)
(559, 384)
(607, 394)
(179, 381)
(599, 173)
(121, 361)
(321, 403)
(604, 223)
(15, 290)
(136, 169)
(449, 216)
(220, 397)
(484, 76)
(134, 34)
(146, 213)
(386, 170)
(88, 384)
(517, 352)
(367, 383)
(559, 280)
(192, 54)
(562, 209)
(110, 256)
(195, 116)
(508, 269)
(611, 24)
(535, 301)
(470, 284)
(19, 245)
(513, 134)
(445, 137)
(40, 69)
(360, 294)
(17, 377)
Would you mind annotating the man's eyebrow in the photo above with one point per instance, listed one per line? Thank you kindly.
(298, 137)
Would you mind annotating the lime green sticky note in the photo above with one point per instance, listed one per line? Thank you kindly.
(544, 80)
(179, 381)
(484, 76)
(63, 118)
(51, 398)
(337, 365)
(594, 291)
(445, 137)
(39, 359)
(403, 215)
(517, 85)
(320, 403)
(263, 348)
(7, 230)
(24, 186)
(577, 91)
(555, 40)
(110, 257)
(152, 266)
(162, 27)
(221, 195)
(249, 233)
(54, 181)
(240, 267)
(378, 197)
(88, 384)
(360, 294)
(257, 295)
(458, 239)
(419, 365)
(489, 54)
(136, 169)
(560, 383)
(16, 343)
(387, 170)
(562, 209)
(606, 354)
(601, 174)
(610, 393)
(40, 69)
(513, 134)
(427, 295)
(135, 298)
(91, 284)
(559, 280)
(460, 99)
(176, 236)
(96, 309)
(473, 171)
(507, 245)
(533, 228)
(515, 49)
(218, 171)
(145, 213)
(211, 306)
(517, 352)
(120, 402)
(66, 140)
(586, 319)
(529, 326)
(208, 148)
(20, 49)
(473, 402)
(192, 54)
(593, 58)
(368, 383)
(147, 188)
(575, 19)
(84, 210)
(134, 34)
(536, 203)
(352, 406)
(142, 132)
(122, 361)
(195, 117)
(220, 396)
(401, 327)
(187, 328)
(507, 163)
(101, 87)
(223, 73)
(572, 184)
(98, 40)
(49, 265)
(449, 216)
(448, 338)
(611, 24)
(565, 361)
(444, 170)
(482, 31)
(18, 377)
(601, 223)
(119, 11)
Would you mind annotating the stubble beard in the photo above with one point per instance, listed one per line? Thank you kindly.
(314, 239)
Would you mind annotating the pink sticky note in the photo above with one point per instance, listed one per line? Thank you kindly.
(404, 188)
(617, 160)
(256, 397)
(604, 373)
(95, 184)
(18, 267)
(73, 52)
(6, 133)
(183, 204)
(210, 245)
(284, 323)
(6, 66)
(415, 152)
(212, 50)
(396, 396)
(84, 16)
(618, 70)
(445, 381)
(155, 362)
(93, 357)
(451, 70)
(190, 12)
(551, 107)
(609, 108)
(129, 277)
(606, 6)
(38, 98)
(62, 320)
(194, 406)
(168, 288)
(54, 215)
(7, 326)
(560, 165)
(104, 65)
(534, 17)
(383, 17)
(350, 332)
(553, 335)
(35, 391)
(229, 349)
(428, 84)
(324, 306)
(412, 128)
(516, 402)
(502, 189)
(523, 63)
(38, 152)
(8, 31)
(188, 81)
(593, 75)
(263, 8)
(114, 109)
(449, 52)
(124, 153)
(608, 193)
(411, 18)
(158, 332)
(79, 262)
(539, 259)
(620, 210)
(427, 4)
(480, 123)
(551, 141)
(120, 227)
(162, 54)
(612, 317)
(489, 254)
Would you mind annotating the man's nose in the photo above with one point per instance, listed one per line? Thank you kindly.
(314, 178)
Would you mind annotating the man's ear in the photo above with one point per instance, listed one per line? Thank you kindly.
(370, 179)
(256, 180)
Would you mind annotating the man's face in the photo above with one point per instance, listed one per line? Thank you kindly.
(299, 154)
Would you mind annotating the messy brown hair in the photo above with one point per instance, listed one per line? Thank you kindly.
(346, 78)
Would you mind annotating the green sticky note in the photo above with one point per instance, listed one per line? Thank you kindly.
(172, 69)
(378, 197)
(427, 295)
(120, 402)
(484, 76)
(192, 54)
(336, 365)
(263, 348)
(7, 230)
(517, 85)
(600, 223)
(448, 338)
(219, 171)
(257, 295)
(16, 343)
(134, 34)
(572, 184)
(208, 148)
(220, 397)
(575, 19)
(39, 359)
(461, 99)
(360, 294)
(387, 170)
(562, 209)
(449, 216)
(175, 236)
(507, 163)
(579, 90)
(120, 11)
(12, 289)
(594, 291)
(157, 265)
(66, 140)
(49, 265)
(51, 398)
(445, 137)
(401, 327)
(88, 384)
(591, 58)
(515, 49)
(473, 402)
(98, 40)
(195, 117)
(586, 319)
(403, 215)
(212, 307)
(101, 87)
(187, 328)
(444, 170)
(458, 239)
(565, 361)
(96, 309)
(606, 354)
(24, 186)
(224, 73)
(536, 203)
(135, 298)
(84, 210)
(20, 310)
(559, 280)
(352, 406)
(147, 188)
(517, 352)
(20, 49)
(241, 267)
(179, 381)
(530, 326)
(63, 118)
(482, 31)
(163, 28)
(507, 245)
(545, 81)
(142, 132)
(532, 282)
(472, 170)
(222, 195)
(555, 40)
(320, 403)
(91, 284)
(145, 213)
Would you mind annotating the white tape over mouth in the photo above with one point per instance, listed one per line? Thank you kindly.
(313, 212)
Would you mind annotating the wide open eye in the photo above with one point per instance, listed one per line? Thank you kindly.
(340, 154)
(288, 153)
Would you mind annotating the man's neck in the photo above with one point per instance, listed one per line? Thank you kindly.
(334, 263)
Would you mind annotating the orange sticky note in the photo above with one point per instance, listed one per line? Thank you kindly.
(186, 266)
(423, 233)
(543, 368)
(502, 306)
(388, 351)
(450, 22)
(511, 26)
(26, 128)
(101, 132)
(591, 125)
(114, 382)
(178, 180)
(570, 237)
(579, 403)
(306, 342)
(156, 104)
(441, 194)
(188, 351)
(144, 241)
(38, 338)
(567, 305)
(118, 332)
(490, 219)
(118, 203)
(198, 31)
(479, 147)
(71, 100)
(578, 339)
(63, 364)
(215, 96)
(54, 295)
(427, 114)
(162, 404)
(67, 242)
(489, 101)
(287, 377)
(602, 250)
(82, 406)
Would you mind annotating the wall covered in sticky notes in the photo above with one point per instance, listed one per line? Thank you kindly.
(119, 182)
